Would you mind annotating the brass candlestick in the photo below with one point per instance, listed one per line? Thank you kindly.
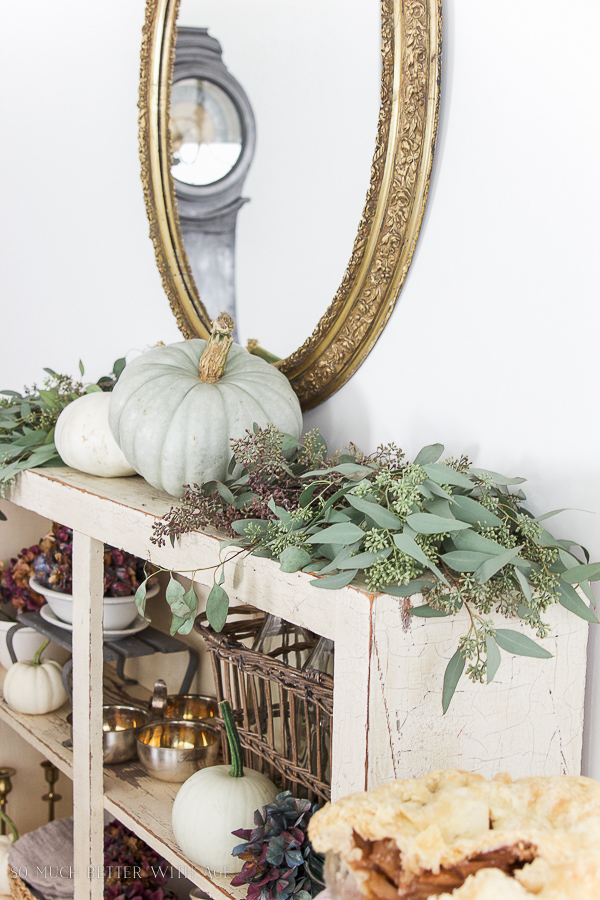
(6, 774)
(52, 774)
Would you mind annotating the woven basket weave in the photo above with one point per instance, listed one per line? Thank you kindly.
(279, 710)
(19, 890)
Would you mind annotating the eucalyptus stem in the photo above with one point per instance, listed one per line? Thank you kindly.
(233, 739)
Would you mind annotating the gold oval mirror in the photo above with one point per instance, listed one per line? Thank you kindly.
(389, 228)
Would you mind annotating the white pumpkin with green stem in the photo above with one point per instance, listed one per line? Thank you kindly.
(214, 802)
(5, 842)
(35, 687)
(176, 409)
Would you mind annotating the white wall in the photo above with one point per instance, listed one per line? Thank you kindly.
(491, 349)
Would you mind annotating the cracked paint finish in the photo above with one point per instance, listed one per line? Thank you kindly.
(528, 721)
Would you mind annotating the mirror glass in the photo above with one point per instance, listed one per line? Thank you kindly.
(312, 73)
(206, 131)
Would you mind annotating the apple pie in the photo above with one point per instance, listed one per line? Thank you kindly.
(453, 835)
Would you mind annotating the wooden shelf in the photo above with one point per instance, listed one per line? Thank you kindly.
(139, 801)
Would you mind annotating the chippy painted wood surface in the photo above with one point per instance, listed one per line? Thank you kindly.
(529, 720)
(88, 798)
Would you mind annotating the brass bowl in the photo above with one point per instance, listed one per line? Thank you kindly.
(191, 706)
(173, 749)
(119, 727)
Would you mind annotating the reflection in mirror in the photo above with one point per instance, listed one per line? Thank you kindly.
(212, 140)
(312, 72)
(206, 131)
(311, 173)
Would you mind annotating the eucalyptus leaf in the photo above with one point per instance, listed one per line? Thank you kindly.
(333, 582)
(241, 525)
(427, 523)
(428, 612)
(293, 558)
(570, 599)
(217, 607)
(429, 454)
(525, 586)
(465, 560)
(140, 599)
(93, 389)
(381, 516)
(175, 596)
(472, 540)
(454, 670)
(408, 545)
(340, 533)
(407, 590)
(343, 469)
(439, 506)
(581, 573)
(469, 510)
(496, 477)
(364, 560)
(489, 568)
(443, 474)
(493, 657)
(519, 644)
(436, 489)
(225, 493)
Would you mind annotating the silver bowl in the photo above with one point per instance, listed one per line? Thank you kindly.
(173, 749)
(119, 727)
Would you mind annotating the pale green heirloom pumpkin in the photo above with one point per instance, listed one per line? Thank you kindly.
(176, 409)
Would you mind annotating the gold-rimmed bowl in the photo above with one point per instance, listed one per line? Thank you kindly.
(173, 749)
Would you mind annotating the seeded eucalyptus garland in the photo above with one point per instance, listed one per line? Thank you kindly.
(459, 535)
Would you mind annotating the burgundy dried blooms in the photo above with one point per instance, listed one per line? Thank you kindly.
(50, 562)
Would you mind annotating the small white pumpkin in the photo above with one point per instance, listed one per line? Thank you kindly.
(5, 842)
(84, 440)
(35, 687)
(215, 801)
(176, 409)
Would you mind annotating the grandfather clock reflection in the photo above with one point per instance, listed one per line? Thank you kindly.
(213, 138)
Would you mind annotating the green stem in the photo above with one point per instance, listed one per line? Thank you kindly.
(11, 825)
(255, 349)
(36, 661)
(233, 739)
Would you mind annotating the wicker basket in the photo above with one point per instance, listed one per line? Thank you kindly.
(283, 715)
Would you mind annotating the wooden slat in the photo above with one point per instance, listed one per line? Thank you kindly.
(88, 799)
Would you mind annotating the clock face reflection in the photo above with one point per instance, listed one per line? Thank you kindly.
(206, 131)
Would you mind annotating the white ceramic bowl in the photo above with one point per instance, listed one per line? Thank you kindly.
(119, 612)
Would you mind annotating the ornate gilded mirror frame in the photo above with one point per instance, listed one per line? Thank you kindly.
(389, 228)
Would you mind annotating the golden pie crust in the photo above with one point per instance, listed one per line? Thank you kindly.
(452, 834)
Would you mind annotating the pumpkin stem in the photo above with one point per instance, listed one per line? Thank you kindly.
(214, 357)
(36, 661)
(233, 739)
(11, 825)
(253, 347)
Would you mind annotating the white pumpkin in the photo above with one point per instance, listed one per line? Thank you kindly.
(175, 410)
(35, 687)
(5, 842)
(84, 440)
(215, 801)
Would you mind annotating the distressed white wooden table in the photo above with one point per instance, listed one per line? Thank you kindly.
(388, 676)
